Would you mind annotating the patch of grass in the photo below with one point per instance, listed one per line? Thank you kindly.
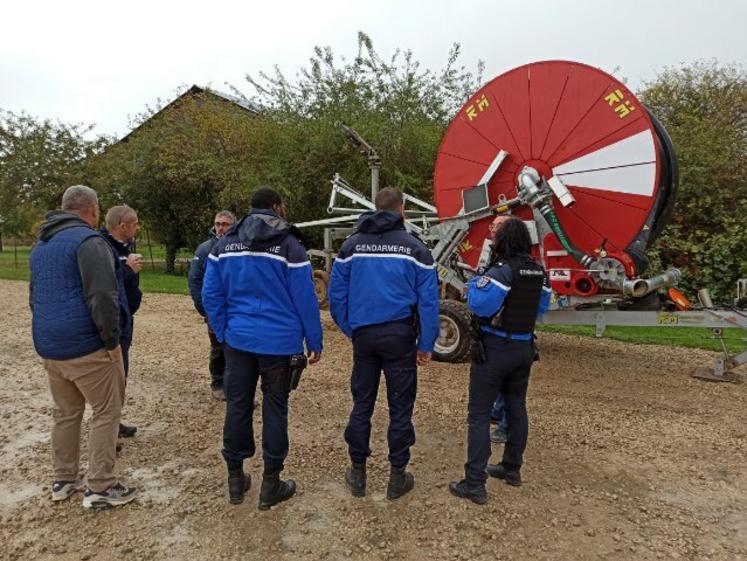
(694, 337)
(14, 265)
(157, 281)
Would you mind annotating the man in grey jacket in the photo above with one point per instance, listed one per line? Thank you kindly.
(78, 313)
(217, 365)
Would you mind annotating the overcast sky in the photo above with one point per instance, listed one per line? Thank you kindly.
(98, 62)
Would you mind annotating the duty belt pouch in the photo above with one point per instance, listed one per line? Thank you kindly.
(478, 351)
(297, 365)
(478, 345)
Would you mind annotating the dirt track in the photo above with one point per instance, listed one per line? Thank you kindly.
(629, 458)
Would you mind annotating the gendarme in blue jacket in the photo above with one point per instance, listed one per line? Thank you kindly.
(381, 274)
(258, 291)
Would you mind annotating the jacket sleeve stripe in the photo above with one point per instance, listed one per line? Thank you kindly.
(498, 284)
(385, 256)
(212, 257)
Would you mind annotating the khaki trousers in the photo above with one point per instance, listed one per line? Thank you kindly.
(97, 380)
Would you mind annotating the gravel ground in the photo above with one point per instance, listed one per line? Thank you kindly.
(628, 458)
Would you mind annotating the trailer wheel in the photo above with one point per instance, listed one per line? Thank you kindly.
(321, 283)
(454, 340)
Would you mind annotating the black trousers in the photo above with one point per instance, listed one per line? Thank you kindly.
(390, 347)
(243, 370)
(217, 364)
(125, 346)
(505, 371)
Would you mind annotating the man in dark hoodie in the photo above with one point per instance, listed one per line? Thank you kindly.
(78, 313)
(122, 225)
(259, 299)
(383, 293)
(217, 365)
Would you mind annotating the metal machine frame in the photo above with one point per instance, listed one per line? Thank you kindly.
(444, 237)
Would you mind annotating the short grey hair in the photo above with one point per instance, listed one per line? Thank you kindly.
(118, 214)
(227, 214)
(79, 197)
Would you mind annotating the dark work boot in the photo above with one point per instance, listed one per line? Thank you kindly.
(274, 490)
(126, 431)
(400, 482)
(238, 484)
(510, 476)
(460, 489)
(355, 477)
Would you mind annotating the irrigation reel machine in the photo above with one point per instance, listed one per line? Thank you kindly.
(592, 173)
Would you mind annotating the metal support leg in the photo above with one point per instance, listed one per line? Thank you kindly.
(724, 364)
(600, 324)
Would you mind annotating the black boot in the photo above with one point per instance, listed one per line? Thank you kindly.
(238, 485)
(355, 477)
(126, 431)
(274, 490)
(400, 482)
(510, 476)
(460, 489)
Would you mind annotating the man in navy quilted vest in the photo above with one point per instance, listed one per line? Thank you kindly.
(78, 313)
(383, 294)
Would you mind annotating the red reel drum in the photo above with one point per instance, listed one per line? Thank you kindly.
(568, 120)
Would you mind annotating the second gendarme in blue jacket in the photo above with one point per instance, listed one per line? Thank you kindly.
(258, 291)
(383, 274)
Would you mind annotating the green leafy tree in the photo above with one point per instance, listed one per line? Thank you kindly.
(176, 165)
(704, 108)
(397, 106)
(201, 153)
(39, 159)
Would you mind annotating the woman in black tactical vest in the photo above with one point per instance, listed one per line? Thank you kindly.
(505, 302)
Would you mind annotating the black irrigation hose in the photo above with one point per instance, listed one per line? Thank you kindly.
(548, 213)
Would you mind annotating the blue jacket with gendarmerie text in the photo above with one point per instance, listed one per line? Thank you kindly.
(381, 274)
(258, 291)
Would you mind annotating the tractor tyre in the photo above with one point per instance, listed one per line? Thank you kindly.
(454, 341)
(321, 284)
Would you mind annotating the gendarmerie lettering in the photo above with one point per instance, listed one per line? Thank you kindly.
(383, 248)
(239, 246)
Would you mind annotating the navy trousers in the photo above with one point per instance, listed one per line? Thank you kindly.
(125, 346)
(390, 347)
(217, 363)
(243, 371)
(505, 371)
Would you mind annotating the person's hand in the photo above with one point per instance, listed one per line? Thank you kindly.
(423, 358)
(115, 354)
(135, 262)
(314, 356)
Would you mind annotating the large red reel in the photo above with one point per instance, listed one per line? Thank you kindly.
(565, 119)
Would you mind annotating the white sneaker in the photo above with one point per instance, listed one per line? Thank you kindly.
(61, 490)
(116, 495)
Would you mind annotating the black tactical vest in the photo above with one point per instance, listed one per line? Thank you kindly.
(519, 311)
